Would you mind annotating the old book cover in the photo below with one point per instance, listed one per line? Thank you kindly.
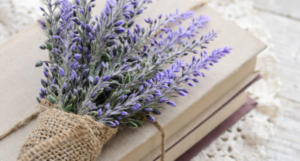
(20, 82)
(204, 123)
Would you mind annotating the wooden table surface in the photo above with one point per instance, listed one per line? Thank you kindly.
(282, 18)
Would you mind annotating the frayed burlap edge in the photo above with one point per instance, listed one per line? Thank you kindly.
(59, 135)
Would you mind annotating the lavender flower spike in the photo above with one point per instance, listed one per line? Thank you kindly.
(61, 72)
(111, 68)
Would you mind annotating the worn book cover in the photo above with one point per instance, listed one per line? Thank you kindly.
(203, 124)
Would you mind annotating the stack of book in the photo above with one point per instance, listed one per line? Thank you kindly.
(211, 107)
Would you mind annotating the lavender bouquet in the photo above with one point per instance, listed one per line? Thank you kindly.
(106, 71)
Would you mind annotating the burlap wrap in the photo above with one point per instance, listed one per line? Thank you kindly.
(59, 135)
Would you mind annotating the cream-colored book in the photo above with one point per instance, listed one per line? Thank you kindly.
(208, 120)
(20, 83)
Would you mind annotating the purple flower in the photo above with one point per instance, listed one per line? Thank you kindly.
(88, 28)
(44, 83)
(106, 78)
(107, 89)
(79, 47)
(185, 91)
(109, 123)
(159, 16)
(123, 113)
(73, 76)
(156, 112)
(195, 80)
(150, 118)
(82, 25)
(77, 56)
(61, 72)
(117, 122)
(164, 86)
(94, 95)
(162, 100)
(171, 103)
(119, 30)
(99, 112)
(43, 91)
(182, 93)
(74, 65)
(94, 107)
(75, 92)
(134, 108)
(66, 10)
(85, 73)
(139, 11)
(55, 50)
(53, 81)
(107, 105)
(191, 84)
(119, 23)
(46, 74)
(41, 95)
(96, 80)
(148, 109)
(141, 88)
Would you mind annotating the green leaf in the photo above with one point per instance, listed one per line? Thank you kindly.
(50, 32)
(38, 99)
(158, 107)
(74, 98)
(93, 113)
(127, 78)
(97, 70)
(43, 47)
(106, 56)
(126, 91)
(68, 108)
(51, 99)
(121, 78)
(83, 94)
(49, 46)
(39, 63)
(148, 76)
(139, 123)
(92, 70)
(131, 125)
(130, 24)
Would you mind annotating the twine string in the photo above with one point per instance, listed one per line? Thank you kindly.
(160, 128)
(19, 124)
(42, 107)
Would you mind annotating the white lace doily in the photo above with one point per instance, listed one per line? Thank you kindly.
(243, 141)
